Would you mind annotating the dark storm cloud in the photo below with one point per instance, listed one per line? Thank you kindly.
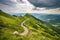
(7, 2)
(20, 1)
(46, 3)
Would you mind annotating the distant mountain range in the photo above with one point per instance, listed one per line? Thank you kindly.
(50, 18)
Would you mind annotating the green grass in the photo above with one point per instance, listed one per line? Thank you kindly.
(38, 29)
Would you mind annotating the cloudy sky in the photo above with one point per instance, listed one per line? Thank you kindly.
(30, 6)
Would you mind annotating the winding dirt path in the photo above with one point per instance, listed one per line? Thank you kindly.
(24, 27)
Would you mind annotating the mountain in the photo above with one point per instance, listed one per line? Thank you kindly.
(37, 29)
(53, 19)
(50, 18)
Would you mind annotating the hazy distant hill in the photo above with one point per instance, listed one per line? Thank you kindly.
(38, 29)
(52, 18)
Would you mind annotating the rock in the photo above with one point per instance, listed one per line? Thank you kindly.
(15, 33)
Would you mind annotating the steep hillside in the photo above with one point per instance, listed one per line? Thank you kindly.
(37, 29)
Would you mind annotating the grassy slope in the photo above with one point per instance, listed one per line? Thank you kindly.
(41, 30)
(9, 24)
(38, 30)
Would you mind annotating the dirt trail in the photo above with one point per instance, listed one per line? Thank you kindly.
(24, 27)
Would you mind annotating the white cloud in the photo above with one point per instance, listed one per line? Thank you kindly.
(26, 7)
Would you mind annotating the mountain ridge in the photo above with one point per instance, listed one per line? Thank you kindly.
(38, 29)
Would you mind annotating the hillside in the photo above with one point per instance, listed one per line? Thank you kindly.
(37, 29)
